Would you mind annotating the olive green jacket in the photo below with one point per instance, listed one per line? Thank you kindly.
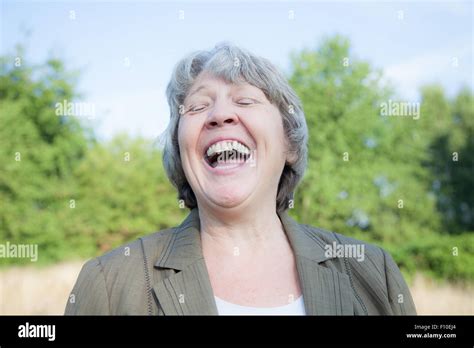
(165, 274)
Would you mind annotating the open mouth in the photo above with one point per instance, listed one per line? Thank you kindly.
(226, 152)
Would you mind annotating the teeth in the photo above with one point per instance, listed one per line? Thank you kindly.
(227, 145)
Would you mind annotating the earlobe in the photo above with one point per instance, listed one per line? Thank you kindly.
(291, 157)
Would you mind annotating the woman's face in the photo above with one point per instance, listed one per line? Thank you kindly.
(232, 144)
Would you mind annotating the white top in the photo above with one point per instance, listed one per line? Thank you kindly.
(294, 308)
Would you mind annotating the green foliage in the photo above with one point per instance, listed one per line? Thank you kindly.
(38, 152)
(444, 257)
(363, 192)
(62, 190)
(124, 194)
(451, 134)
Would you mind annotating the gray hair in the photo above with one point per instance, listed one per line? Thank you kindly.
(235, 65)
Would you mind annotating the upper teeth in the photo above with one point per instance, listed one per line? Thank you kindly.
(227, 145)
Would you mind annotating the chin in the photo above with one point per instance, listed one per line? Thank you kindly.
(229, 198)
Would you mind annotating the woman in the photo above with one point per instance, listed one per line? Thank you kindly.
(235, 151)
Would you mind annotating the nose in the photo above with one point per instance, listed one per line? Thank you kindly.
(221, 115)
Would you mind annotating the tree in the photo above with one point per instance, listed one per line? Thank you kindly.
(124, 194)
(364, 176)
(38, 152)
(451, 147)
(386, 179)
(59, 187)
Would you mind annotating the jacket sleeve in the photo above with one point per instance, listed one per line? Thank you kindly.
(89, 295)
(399, 295)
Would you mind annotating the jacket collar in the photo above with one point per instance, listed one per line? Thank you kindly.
(184, 248)
(188, 291)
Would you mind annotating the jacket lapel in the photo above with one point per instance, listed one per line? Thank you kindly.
(325, 291)
(187, 290)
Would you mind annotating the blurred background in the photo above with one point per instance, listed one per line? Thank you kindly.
(387, 89)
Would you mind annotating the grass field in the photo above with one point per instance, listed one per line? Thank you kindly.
(32, 290)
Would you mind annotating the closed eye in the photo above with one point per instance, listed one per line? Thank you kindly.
(246, 101)
(197, 108)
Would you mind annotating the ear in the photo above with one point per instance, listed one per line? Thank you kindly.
(291, 157)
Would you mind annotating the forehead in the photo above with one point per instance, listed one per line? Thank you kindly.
(205, 81)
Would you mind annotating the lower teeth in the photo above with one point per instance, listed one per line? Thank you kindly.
(227, 158)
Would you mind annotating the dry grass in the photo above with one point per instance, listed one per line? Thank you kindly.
(32, 290)
(436, 298)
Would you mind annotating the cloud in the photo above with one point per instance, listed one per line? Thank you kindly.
(410, 75)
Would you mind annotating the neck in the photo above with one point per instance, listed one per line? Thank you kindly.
(255, 231)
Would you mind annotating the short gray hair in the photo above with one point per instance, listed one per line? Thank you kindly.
(234, 65)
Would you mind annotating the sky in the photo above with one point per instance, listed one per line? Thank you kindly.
(126, 50)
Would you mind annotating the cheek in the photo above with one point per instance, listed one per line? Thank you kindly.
(187, 136)
(277, 132)
(268, 128)
(184, 141)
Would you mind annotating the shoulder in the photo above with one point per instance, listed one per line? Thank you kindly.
(132, 254)
(105, 283)
(328, 240)
(374, 277)
(362, 261)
